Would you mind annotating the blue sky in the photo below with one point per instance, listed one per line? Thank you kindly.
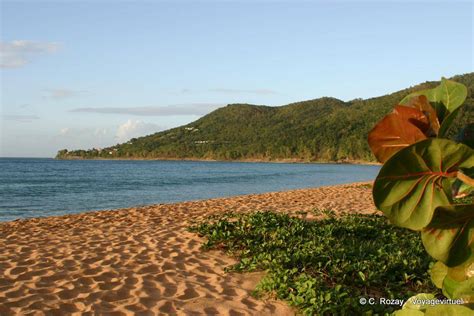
(92, 74)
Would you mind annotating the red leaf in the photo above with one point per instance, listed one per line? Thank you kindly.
(422, 104)
(399, 129)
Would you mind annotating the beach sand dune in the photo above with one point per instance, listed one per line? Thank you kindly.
(143, 260)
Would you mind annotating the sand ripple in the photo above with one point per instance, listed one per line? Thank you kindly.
(142, 260)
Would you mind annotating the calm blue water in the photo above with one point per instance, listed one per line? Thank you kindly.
(44, 187)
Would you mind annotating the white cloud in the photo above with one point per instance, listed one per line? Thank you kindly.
(135, 128)
(85, 132)
(84, 138)
(186, 91)
(20, 117)
(18, 53)
(59, 94)
(244, 91)
(101, 132)
(169, 110)
(100, 137)
(64, 131)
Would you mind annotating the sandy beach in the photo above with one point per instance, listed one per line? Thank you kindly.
(143, 260)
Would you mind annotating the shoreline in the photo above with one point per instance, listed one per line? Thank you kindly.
(277, 161)
(173, 204)
(142, 259)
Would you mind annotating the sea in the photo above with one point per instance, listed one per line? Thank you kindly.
(34, 187)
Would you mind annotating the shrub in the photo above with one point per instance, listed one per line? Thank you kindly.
(417, 187)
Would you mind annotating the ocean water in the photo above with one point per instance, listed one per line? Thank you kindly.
(45, 187)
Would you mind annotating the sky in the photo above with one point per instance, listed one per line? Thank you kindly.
(84, 74)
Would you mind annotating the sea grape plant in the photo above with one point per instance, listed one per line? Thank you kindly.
(422, 175)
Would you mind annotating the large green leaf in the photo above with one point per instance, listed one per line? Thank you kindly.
(447, 122)
(459, 290)
(456, 282)
(449, 94)
(417, 180)
(428, 305)
(408, 312)
(463, 271)
(448, 310)
(438, 272)
(449, 236)
(411, 303)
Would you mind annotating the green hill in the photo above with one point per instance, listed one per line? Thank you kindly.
(324, 129)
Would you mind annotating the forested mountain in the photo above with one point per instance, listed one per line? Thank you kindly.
(325, 129)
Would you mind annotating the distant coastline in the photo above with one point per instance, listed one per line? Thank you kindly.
(287, 160)
(324, 130)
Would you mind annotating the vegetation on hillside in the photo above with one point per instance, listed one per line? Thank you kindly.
(324, 129)
(325, 267)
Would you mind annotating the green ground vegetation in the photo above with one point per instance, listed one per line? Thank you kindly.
(325, 129)
(324, 267)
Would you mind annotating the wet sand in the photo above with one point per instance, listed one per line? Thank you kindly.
(143, 260)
